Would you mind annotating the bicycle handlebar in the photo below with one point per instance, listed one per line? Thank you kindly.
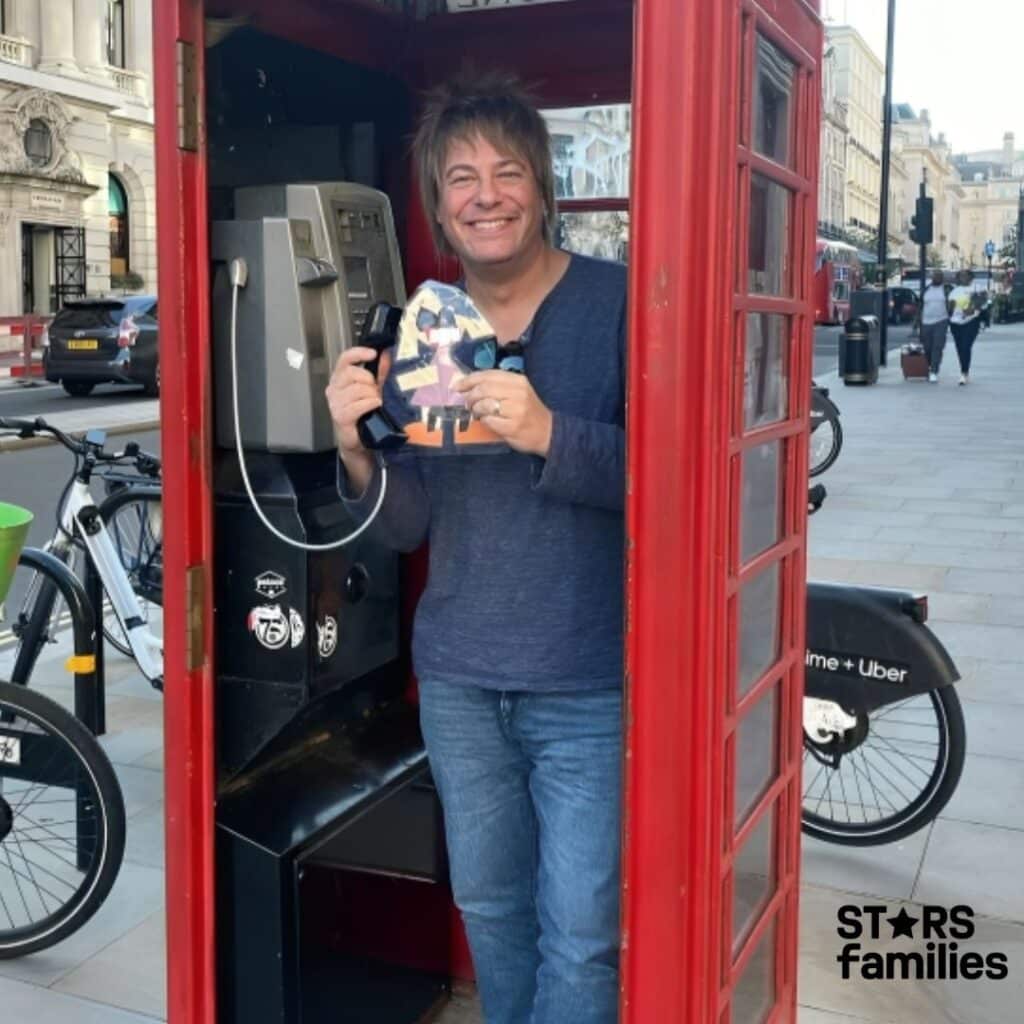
(146, 463)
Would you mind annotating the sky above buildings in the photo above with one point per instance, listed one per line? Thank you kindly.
(963, 62)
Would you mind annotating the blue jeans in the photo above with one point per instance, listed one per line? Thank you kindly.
(530, 784)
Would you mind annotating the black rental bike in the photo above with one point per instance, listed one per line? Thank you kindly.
(62, 822)
(62, 817)
(884, 736)
(826, 431)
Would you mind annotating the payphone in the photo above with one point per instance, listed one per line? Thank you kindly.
(320, 761)
(315, 258)
(318, 257)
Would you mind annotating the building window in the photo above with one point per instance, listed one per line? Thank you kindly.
(118, 210)
(38, 143)
(3, 17)
(115, 33)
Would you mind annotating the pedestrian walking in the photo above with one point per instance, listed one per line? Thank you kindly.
(964, 321)
(934, 321)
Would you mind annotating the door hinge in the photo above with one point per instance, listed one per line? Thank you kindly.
(189, 113)
(195, 617)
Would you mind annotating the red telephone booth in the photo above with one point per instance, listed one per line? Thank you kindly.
(723, 97)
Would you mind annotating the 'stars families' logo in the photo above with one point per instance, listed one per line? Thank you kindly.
(937, 936)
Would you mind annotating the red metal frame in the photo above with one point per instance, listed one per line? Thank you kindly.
(679, 315)
(691, 88)
(188, 504)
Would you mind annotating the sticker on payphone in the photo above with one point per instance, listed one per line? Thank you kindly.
(443, 337)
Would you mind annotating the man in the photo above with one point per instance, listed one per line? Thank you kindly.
(518, 636)
(934, 321)
(964, 322)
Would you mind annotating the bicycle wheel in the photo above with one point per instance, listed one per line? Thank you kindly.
(135, 525)
(889, 775)
(826, 441)
(62, 826)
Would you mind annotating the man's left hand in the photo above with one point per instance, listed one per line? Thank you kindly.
(507, 404)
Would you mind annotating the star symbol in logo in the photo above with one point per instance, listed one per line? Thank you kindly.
(902, 924)
(848, 664)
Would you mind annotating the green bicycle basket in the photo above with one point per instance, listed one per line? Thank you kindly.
(14, 524)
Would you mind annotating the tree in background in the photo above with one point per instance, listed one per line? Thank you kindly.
(1008, 253)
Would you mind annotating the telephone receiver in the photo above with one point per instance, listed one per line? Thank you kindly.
(377, 430)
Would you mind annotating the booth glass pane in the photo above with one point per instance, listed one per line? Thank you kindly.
(600, 233)
(765, 380)
(758, 627)
(590, 147)
(761, 505)
(756, 753)
(754, 995)
(774, 84)
(769, 237)
(753, 879)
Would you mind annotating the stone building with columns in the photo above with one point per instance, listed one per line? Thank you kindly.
(992, 183)
(77, 190)
(929, 158)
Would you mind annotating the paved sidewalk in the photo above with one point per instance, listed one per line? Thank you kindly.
(928, 493)
(126, 418)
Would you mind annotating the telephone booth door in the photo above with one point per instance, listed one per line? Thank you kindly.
(720, 343)
(721, 212)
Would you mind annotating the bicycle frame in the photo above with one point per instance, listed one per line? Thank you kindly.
(80, 517)
(821, 407)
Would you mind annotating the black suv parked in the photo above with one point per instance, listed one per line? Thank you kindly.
(902, 305)
(98, 340)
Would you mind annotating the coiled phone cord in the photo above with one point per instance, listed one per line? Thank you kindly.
(239, 274)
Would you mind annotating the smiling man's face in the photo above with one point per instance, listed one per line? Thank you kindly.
(490, 207)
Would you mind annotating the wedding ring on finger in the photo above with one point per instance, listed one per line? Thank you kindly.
(497, 407)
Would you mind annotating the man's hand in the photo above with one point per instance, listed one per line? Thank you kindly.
(507, 404)
(353, 392)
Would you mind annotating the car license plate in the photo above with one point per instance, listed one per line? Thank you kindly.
(83, 344)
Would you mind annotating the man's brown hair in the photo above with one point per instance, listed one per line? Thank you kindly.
(495, 106)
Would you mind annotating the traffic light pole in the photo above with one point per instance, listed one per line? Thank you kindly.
(924, 261)
(883, 219)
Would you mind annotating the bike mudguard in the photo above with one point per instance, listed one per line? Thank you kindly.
(866, 649)
(822, 408)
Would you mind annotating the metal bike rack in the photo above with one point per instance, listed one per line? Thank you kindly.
(90, 705)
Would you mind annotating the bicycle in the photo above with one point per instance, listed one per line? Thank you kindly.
(62, 816)
(883, 728)
(826, 431)
(62, 822)
(133, 512)
(122, 537)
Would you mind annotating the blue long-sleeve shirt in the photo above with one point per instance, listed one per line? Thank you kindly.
(525, 584)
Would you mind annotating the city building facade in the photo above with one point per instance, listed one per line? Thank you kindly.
(929, 159)
(992, 181)
(834, 141)
(77, 190)
(859, 85)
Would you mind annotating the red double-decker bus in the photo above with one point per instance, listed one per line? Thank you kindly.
(836, 274)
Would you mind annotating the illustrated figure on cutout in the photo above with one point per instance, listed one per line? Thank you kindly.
(441, 338)
(440, 333)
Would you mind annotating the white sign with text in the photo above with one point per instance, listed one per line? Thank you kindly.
(46, 201)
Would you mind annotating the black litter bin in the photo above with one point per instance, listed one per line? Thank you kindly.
(858, 350)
